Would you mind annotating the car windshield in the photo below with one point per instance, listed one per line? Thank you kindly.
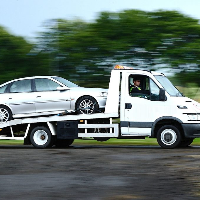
(65, 82)
(168, 86)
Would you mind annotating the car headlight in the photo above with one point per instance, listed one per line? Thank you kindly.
(103, 94)
(192, 117)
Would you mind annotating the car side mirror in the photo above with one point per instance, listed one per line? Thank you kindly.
(62, 88)
(162, 96)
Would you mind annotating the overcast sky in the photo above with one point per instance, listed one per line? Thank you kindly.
(25, 17)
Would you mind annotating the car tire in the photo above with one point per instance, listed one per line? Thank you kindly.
(168, 137)
(86, 105)
(5, 114)
(41, 137)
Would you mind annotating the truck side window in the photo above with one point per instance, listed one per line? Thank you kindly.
(154, 91)
(139, 86)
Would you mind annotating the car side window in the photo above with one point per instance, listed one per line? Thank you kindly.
(44, 84)
(21, 86)
(3, 89)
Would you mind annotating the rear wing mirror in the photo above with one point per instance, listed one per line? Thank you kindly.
(162, 96)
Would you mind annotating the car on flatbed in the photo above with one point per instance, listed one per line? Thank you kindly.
(47, 95)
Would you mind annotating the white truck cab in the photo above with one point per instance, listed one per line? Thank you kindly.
(157, 110)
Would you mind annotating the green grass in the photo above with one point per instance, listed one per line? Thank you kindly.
(11, 142)
(112, 141)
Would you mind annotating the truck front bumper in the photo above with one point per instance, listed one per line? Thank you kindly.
(191, 130)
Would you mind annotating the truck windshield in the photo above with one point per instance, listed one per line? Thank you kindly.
(168, 86)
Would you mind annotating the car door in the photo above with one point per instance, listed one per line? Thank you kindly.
(48, 98)
(20, 97)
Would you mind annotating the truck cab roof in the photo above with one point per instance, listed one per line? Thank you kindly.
(136, 71)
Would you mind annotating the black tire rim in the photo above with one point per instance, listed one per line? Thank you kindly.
(86, 106)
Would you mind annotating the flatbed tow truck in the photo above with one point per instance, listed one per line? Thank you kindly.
(159, 111)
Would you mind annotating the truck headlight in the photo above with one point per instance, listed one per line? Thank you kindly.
(192, 117)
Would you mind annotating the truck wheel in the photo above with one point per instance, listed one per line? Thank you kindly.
(86, 105)
(5, 114)
(64, 142)
(41, 137)
(168, 137)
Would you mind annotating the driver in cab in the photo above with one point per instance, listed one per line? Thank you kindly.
(135, 88)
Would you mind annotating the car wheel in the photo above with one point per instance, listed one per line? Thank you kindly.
(64, 142)
(5, 114)
(41, 137)
(86, 105)
(168, 136)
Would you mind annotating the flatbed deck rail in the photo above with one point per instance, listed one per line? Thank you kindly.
(50, 120)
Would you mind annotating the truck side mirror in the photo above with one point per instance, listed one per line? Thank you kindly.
(162, 96)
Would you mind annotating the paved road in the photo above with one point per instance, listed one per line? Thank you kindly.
(99, 173)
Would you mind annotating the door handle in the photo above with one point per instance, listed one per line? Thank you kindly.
(38, 96)
(128, 105)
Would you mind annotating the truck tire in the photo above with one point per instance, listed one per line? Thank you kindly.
(86, 105)
(41, 137)
(169, 136)
(64, 142)
(5, 114)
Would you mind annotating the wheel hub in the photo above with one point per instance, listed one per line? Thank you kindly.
(168, 137)
(42, 137)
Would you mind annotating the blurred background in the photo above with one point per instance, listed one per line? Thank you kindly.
(85, 51)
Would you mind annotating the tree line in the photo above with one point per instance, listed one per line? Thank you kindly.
(85, 52)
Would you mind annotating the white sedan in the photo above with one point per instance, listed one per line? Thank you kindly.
(47, 95)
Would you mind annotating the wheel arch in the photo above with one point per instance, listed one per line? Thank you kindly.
(34, 125)
(166, 121)
(7, 106)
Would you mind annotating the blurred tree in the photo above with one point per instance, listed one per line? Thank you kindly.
(17, 58)
(82, 51)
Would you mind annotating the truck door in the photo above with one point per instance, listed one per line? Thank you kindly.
(140, 108)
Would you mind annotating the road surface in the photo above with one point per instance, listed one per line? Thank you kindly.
(92, 172)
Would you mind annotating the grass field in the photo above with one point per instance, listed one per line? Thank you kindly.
(112, 141)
